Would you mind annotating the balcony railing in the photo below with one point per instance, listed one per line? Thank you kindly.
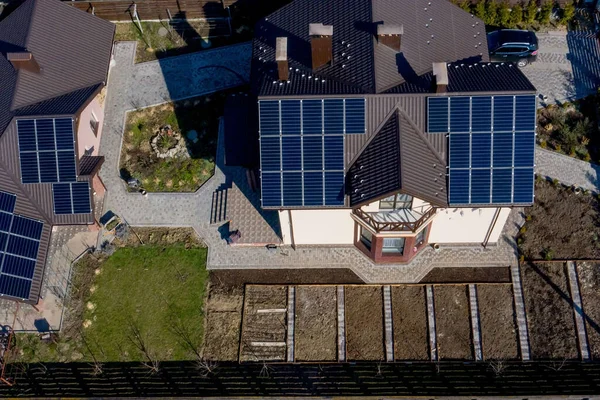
(379, 225)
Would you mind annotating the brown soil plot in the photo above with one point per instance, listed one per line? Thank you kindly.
(550, 316)
(499, 335)
(315, 332)
(452, 323)
(264, 329)
(223, 320)
(409, 316)
(364, 323)
(589, 287)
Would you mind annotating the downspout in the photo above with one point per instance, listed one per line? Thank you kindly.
(291, 230)
(489, 233)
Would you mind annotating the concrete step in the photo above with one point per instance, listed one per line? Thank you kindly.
(218, 213)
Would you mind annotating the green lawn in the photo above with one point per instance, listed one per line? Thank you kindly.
(146, 303)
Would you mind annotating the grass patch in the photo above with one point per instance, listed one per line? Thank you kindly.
(146, 303)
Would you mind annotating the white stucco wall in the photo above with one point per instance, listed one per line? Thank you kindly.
(318, 226)
(85, 135)
(466, 225)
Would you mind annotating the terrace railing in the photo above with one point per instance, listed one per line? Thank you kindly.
(394, 226)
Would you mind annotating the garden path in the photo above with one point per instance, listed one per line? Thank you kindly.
(568, 170)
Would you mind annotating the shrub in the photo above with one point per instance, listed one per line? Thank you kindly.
(543, 144)
(572, 152)
(479, 11)
(531, 11)
(545, 12)
(567, 13)
(585, 141)
(538, 179)
(516, 15)
(528, 218)
(587, 157)
(504, 14)
(464, 4)
(548, 254)
(556, 182)
(557, 147)
(491, 12)
(522, 230)
(521, 258)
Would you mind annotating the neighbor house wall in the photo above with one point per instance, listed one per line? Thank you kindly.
(322, 227)
(467, 225)
(85, 135)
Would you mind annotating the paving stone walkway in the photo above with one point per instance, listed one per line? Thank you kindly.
(568, 170)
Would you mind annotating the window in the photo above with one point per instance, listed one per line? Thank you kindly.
(88, 151)
(396, 202)
(420, 238)
(366, 237)
(94, 123)
(393, 246)
(511, 50)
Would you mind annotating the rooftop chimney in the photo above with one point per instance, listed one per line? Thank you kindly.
(390, 35)
(440, 72)
(321, 44)
(23, 60)
(282, 59)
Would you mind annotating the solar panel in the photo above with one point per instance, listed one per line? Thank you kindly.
(71, 198)
(19, 246)
(302, 149)
(46, 150)
(492, 161)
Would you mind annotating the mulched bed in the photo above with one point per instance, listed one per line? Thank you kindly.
(298, 276)
(264, 326)
(467, 274)
(561, 225)
(364, 323)
(550, 316)
(316, 323)
(499, 335)
(589, 287)
(452, 322)
(409, 316)
(223, 321)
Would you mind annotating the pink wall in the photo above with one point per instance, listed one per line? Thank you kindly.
(85, 135)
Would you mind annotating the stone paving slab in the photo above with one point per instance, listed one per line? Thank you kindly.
(568, 170)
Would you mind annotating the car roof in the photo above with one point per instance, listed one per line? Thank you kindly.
(516, 36)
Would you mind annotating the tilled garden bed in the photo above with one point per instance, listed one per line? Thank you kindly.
(453, 326)
(316, 323)
(589, 287)
(550, 315)
(499, 335)
(409, 315)
(223, 320)
(364, 323)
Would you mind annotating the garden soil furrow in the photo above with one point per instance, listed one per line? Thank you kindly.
(316, 323)
(364, 323)
(409, 316)
(498, 322)
(589, 286)
(452, 321)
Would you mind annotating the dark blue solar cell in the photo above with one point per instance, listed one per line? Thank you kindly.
(501, 186)
(481, 150)
(313, 152)
(480, 186)
(523, 182)
(458, 186)
(334, 152)
(5, 221)
(22, 247)
(481, 114)
(7, 202)
(502, 149)
(334, 188)
(525, 113)
(27, 227)
(291, 153)
(503, 113)
(437, 114)
(355, 116)
(3, 241)
(269, 117)
(61, 193)
(270, 153)
(524, 149)
(292, 189)
(26, 133)
(45, 134)
(312, 117)
(81, 198)
(459, 150)
(271, 189)
(29, 168)
(313, 188)
(48, 167)
(290, 117)
(334, 116)
(66, 166)
(15, 287)
(18, 266)
(64, 134)
(459, 114)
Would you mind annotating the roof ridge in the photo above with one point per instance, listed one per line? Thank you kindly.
(420, 134)
(57, 96)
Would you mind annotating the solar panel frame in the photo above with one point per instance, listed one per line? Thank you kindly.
(438, 115)
(8, 202)
(354, 114)
(80, 192)
(14, 286)
(71, 198)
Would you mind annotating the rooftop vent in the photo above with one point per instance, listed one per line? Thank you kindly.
(23, 60)
(440, 72)
(321, 44)
(390, 35)
(282, 58)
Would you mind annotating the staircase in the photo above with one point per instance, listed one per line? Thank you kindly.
(218, 211)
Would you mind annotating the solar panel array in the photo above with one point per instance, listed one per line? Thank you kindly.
(19, 245)
(491, 147)
(302, 149)
(71, 198)
(47, 150)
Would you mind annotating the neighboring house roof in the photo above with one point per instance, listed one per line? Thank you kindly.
(72, 50)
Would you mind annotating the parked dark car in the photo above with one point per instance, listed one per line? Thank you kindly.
(513, 45)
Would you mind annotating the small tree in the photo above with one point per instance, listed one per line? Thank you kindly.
(516, 15)
(531, 11)
(465, 5)
(491, 12)
(546, 12)
(504, 14)
(480, 10)
(567, 13)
